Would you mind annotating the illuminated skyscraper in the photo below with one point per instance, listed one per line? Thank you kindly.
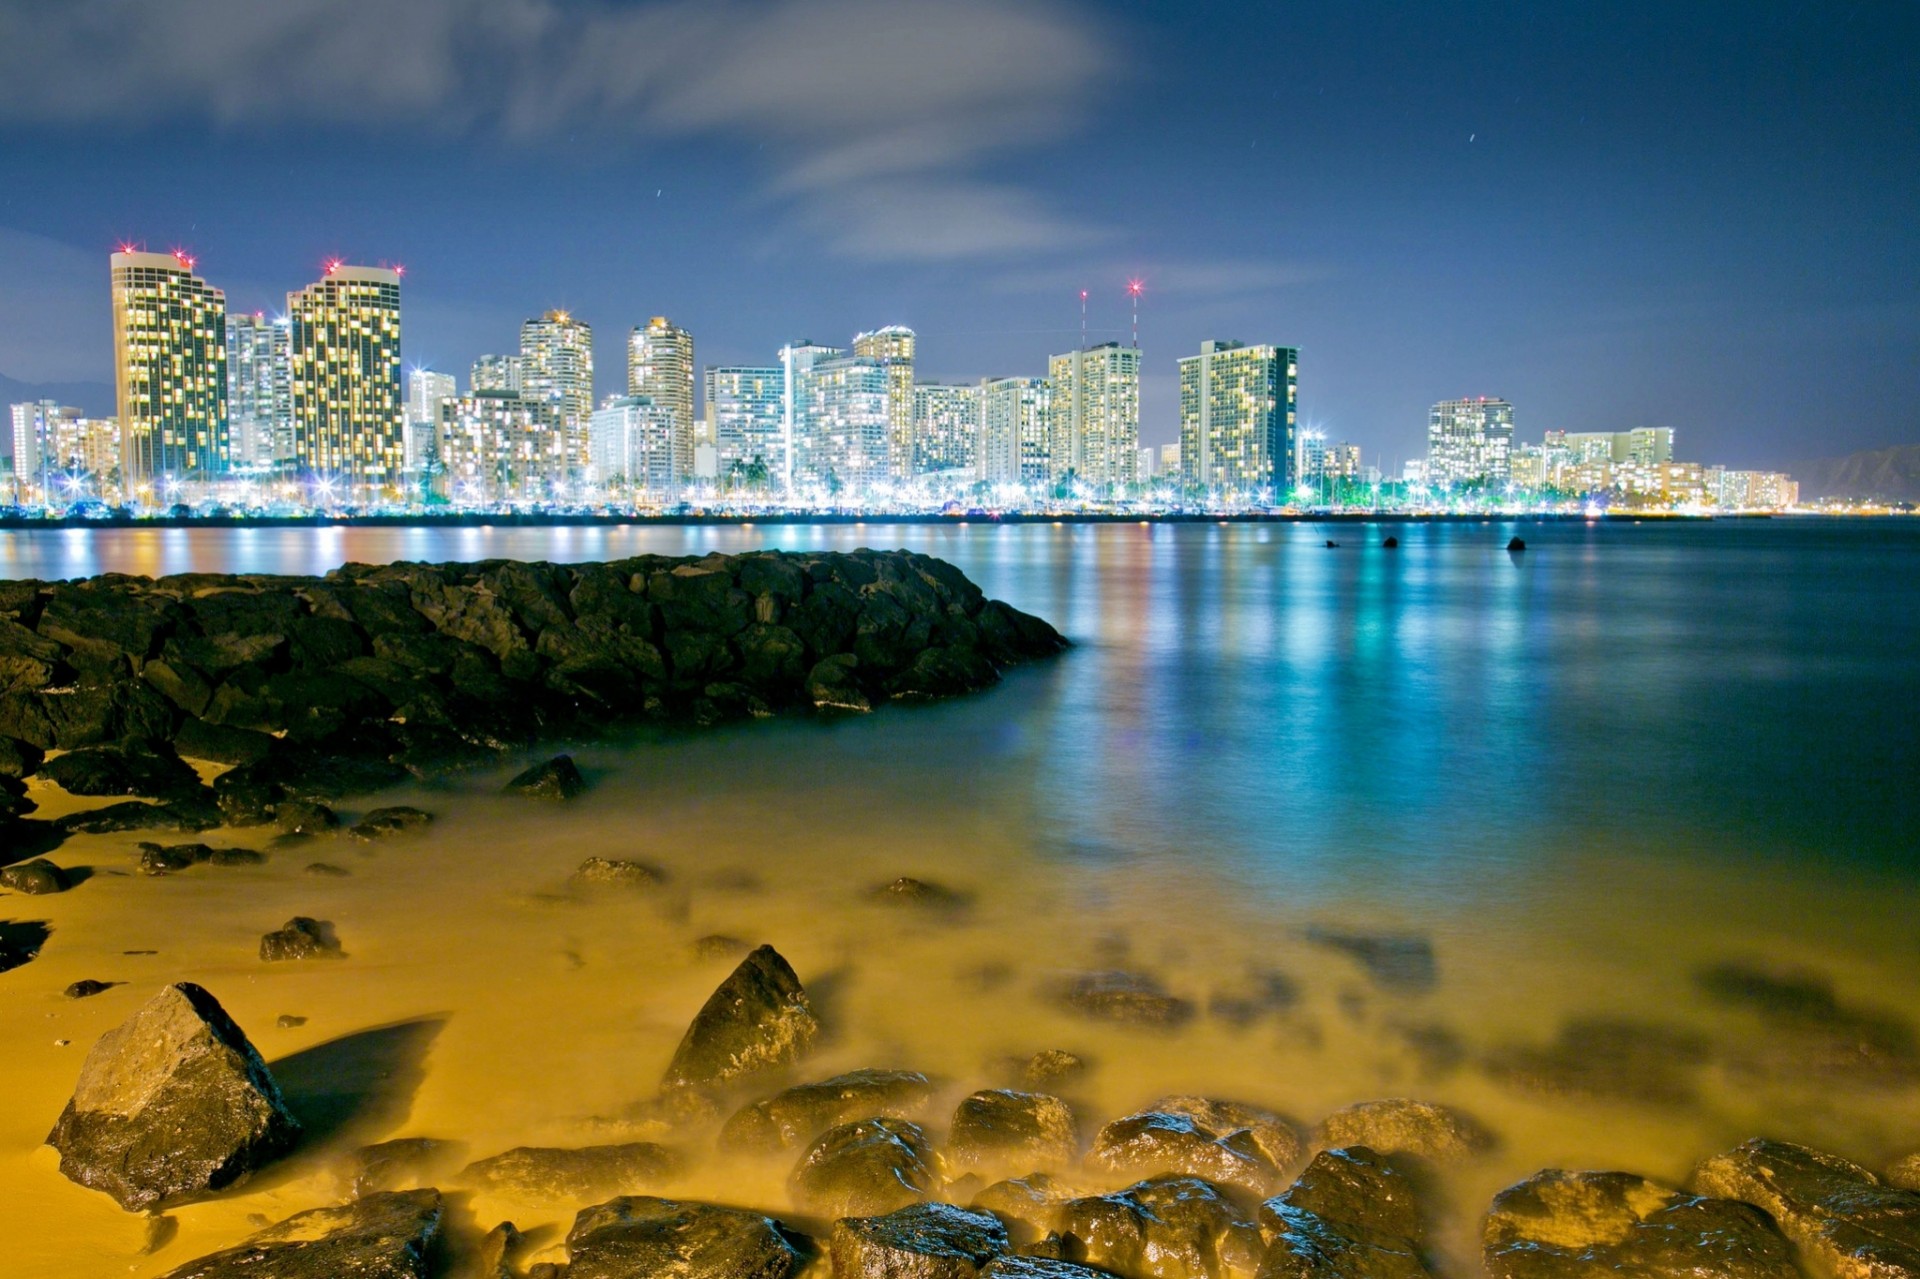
(946, 428)
(660, 368)
(170, 368)
(1469, 441)
(1014, 412)
(497, 446)
(1093, 429)
(497, 374)
(746, 421)
(35, 443)
(797, 363)
(348, 419)
(893, 348)
(259, 403)
(1237, 413)
(426, 392)
(636, 444)
(556, 357)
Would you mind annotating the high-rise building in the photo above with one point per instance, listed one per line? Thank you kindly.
(1237, 415)
(1170, 458)
(797, 362)
(746, 421)
(842, 415)
(1014, 414)
(34, 443)
(556, 358)
(259, 399)
(497, 375)
(170, 368)
(426, 392)
(893, 348)
(637, 445)
(946, 427)
(1643, 446)
(348, 417)
(1093, 432)
(1342, 462)
(660, 367)
(1469, 441)
(498, 446)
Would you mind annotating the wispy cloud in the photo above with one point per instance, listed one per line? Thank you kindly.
(883, 118)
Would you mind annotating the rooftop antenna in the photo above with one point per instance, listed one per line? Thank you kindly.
(1083, 319)
(1133, 291)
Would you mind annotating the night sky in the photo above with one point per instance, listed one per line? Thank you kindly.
(1697, 215)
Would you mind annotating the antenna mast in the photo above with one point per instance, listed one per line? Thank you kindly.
(1133, 290)
(1083, 319)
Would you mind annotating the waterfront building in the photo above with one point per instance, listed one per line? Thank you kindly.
(1528, 466)
(893, 348)
(797, 362)
(637, 447)
(746, 422)
(344, 352)
(170, 368)
(660, 367)
(33, 449)
(1644, 445)
(1170, 458)
(426, 392)
(556, 367)
(946, 428)
(259, 390)
(1238, 409)
(840, 406)
(1752, 490)
(1469, 441)
(1014, 416)
(496, 446)
(1342, 463)
(1093, 430)
(497, 375)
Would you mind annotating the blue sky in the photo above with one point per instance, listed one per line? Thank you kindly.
(1699, 215)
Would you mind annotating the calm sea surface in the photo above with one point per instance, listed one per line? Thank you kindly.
(1589, 776)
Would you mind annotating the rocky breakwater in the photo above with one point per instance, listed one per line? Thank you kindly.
(315, 687)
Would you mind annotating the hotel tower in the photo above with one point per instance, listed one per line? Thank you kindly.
(170, 369)
(349, 420)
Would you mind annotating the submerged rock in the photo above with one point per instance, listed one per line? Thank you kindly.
(558, 778)
(382, 1236)
(1576, 1225)
(864, 1168)
(1844, 1220)
(171, 1104)
(87, 988)
(393, 820)
(925, 1241)
(1156, 1142)
(646, 1238)
(301, 937)
(1166, 1226)
(1398, 962)
(405, 1163)
(759, 1019)
(548, 1174)
(1809, 1032)
(1126, 998)
(998, 1131)
(1400, 1126)
(165, 859)
(1608, 1058)
(795, 1116)
(907, 891)
(34, 878)
(1351, 1213)
(1051, 1067)
(304, 817)
(608, 872)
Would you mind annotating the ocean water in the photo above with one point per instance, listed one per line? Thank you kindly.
(1644, 793)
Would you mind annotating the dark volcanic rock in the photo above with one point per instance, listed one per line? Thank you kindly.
(1156, 1142)
(381, 1236)
(1040, 1268)
(925, 1241)
(382, 822)
(87, 988)
(864, 1168)
(554, 1175)
(171, 1104)
(1174, 1226)
(165, 859)
(300, 938)
(833, 685)
(187, 818)
(644, 1238)
(997, 1131)
(1844, 1220)
(13, 798)
(304, 817)
(795, 1116)
(21, 942)
(907, 891)
(1403, 1127)
(18, 758)
(221, 743)
(558, 778)
(34, 877)
(1050, 1068)
(1351, 1215)
(1589, 1225)
(759, 1019)
(1274, 1136)
(112, 770)
(1127, 998)
(611, 872)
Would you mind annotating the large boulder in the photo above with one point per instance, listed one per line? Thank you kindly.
(1131, 999)
(1155, 1142)
(759, 1019)
(1847, 1223)
(1165, 1228)
(34, 877)
(172, 1104)
(557, 778)
(111, 770)
(795, 1116)
(548, 1174)
(645, 1238)
(390, 1235)
(1400, 1126)
(865, 1168)
(1593, 1225)
(925, 1241)
(1351, 1215)
(999, 1131)
(1273, 1135)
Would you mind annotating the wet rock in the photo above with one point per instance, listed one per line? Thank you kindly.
(864, 1168)
(1040, 1268)
(187, 817)
(646, 1238)
(1607, 1058)
(1275, 1136)
(833, 687)
(1176, 1227)
(609, 872)
(326, 870)
(393, 820)
(1402, 963)
(797, 1115)
(21, 942)
(382, 1236)
(406, 1163)
(1905, 1174)
(18, 758)
(558, 778)
(499, 1250)
(1516, 544)
(171, 1104)
(221, 743)
(34, 878)
(1390, 543)
(13, 800)
(999, 1131)
(1126, 998)
(1809, 1032)
(1400, 1126)
(1028, 1206)
(165, 859)
(301, 937)
(1050, 1068)
(237, 857)
(289, 1021)
(925, 1241)
(1571, 1225)
(1845, 1221)
(759, 1019)
(87, 988)
(1351, 1213)
(303, 817)
(1155, 1142)
(547, 1174)
(906, 891)
(112, 770)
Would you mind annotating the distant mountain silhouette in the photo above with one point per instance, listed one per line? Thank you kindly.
(95, 399)
(1888, 475)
